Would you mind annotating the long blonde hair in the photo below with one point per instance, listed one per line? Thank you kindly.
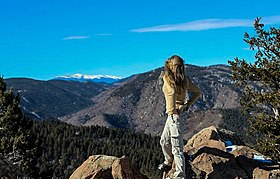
(175, 73)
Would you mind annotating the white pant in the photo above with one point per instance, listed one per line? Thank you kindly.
(172, 144)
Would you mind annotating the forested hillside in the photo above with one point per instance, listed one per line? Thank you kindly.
(64, 147)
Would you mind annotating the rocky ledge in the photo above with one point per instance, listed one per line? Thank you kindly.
(106, 167)
(208, 155)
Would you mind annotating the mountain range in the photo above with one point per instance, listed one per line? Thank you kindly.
(136, 102)
(109, 79)
(53, 98)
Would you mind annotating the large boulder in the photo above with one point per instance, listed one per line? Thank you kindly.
(107, 167)
(218, 164)
(208, 137)
(207, 157)
(208, 154)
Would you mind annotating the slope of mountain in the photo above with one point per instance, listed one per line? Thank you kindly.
(139, 104)
(109, 79)
(54, 98)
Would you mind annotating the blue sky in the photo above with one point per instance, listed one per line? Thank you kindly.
(42, 39)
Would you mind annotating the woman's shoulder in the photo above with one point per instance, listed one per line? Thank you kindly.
(166, 85)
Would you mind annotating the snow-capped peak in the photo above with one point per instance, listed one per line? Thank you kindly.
(85, 77)
(78, 75)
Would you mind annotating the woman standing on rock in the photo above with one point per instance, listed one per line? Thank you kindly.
(175, 88)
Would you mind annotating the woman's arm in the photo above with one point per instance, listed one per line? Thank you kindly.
(196, 92)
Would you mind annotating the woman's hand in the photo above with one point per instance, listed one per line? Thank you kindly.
(183, 108)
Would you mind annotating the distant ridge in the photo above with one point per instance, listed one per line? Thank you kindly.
(54, 98)
(109, 79)
(135, 103)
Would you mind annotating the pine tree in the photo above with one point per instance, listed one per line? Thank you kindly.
(10, 116)
(17, 143)
(261, 97)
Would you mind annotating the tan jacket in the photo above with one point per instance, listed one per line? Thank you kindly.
(179, 102)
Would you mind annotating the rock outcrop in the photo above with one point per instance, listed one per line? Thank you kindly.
(107, 167)
(208, 137)
(207, 156)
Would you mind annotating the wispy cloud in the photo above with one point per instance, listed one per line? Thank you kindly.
(78, 37)
(206, 24)
(271, 20)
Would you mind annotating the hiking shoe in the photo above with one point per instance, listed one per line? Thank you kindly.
(164, 167)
